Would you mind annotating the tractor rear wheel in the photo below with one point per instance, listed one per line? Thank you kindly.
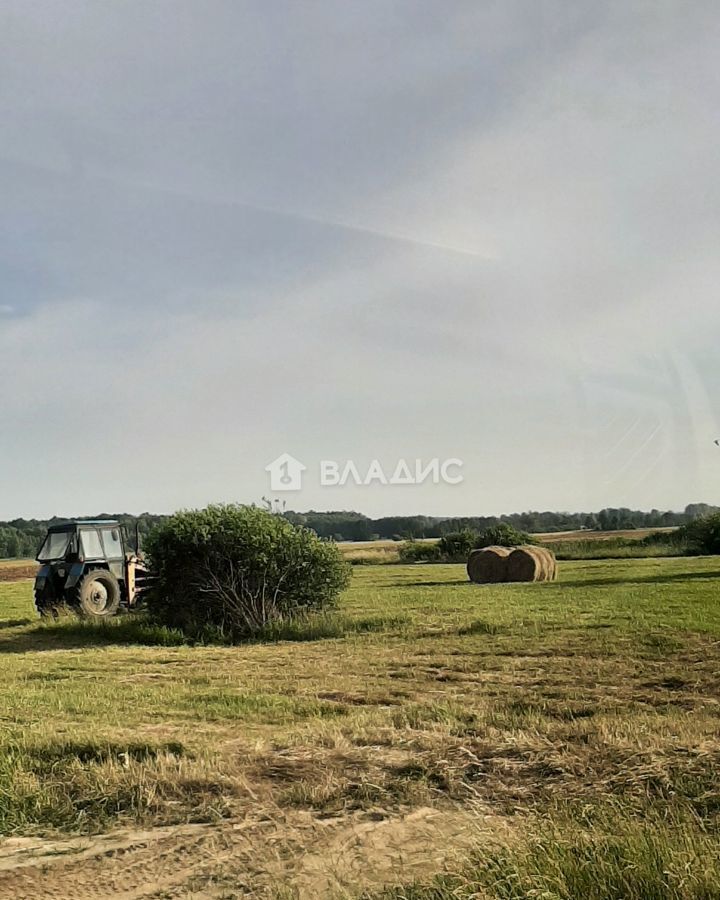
(98, 594)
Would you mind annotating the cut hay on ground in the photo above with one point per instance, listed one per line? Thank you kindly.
(488, 565)
(531, 563)
(17, 571)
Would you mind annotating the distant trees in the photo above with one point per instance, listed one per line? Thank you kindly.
(22, 537)
(699, 510)
(340, 526)
(353, 526)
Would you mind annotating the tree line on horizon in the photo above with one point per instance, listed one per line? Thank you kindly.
(354, 526)
(21, 538)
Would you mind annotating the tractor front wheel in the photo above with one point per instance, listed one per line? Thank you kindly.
(98, 594)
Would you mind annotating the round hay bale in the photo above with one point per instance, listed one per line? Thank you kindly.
(551, 569)
(488, 565)
(547, 557)
(529, 563)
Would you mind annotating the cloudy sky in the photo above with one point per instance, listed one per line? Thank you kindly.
(389, 229)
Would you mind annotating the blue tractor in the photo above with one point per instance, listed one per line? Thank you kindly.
(86, 566)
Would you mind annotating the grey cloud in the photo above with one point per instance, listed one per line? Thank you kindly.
(407, 228)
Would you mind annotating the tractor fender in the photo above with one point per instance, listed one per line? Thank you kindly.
(41, 577)
(77, 570)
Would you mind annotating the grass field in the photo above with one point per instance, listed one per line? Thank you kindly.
(554, 740)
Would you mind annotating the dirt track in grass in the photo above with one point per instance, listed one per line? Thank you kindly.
(309, 855)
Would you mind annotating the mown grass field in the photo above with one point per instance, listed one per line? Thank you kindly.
(432, 739)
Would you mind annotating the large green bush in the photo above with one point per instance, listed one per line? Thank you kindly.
(701, 535)
(503, 535)
(456, 545)
(419, 551)
(237, 569)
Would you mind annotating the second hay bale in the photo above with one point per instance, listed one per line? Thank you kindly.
(531, 563)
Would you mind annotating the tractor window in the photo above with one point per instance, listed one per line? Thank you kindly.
(56, 546)
(92, 548)
(113, 544)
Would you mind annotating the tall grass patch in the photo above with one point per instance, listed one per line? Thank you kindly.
(85, 786)
(619, 548)
(617, 859)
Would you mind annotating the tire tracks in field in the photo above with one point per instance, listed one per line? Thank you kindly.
(316, 855)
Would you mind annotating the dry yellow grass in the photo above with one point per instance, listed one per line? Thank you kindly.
(16, 569)
(368, 554)
(588, 535)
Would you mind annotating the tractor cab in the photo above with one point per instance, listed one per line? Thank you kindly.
(87, 565)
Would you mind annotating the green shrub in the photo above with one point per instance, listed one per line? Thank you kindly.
(420, 551)
(660, 538)
(456, 546)
(702, 535)
(237, 569)
(503, 535)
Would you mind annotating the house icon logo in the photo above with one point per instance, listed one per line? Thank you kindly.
(285, 473)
